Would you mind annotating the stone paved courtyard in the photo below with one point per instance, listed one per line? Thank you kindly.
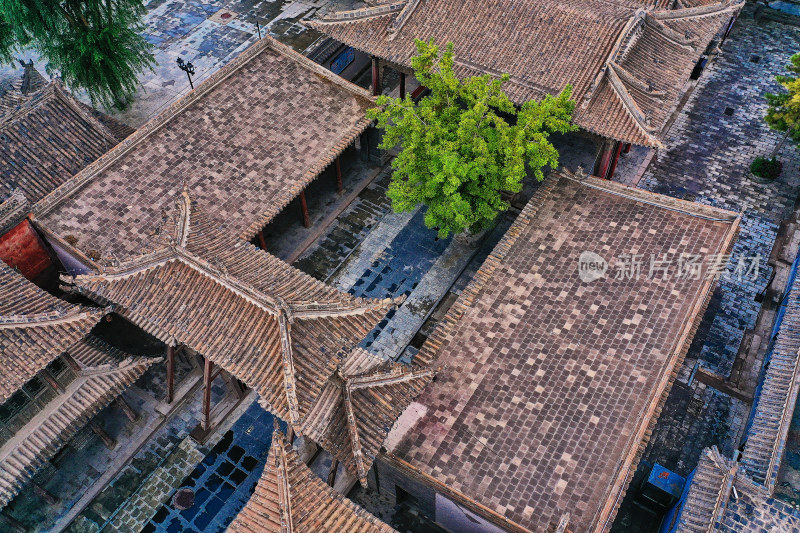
(208, 34)
(708, 152)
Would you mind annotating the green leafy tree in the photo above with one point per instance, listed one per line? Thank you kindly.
(465, 143)
(93, 44)
(783, 113)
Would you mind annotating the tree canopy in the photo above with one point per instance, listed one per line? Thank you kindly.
(465, 143)
(93, 44)
(783, 112)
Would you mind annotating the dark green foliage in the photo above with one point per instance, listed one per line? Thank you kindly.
(465, 143)
(93, 44)
(766, 168)
(783, 113)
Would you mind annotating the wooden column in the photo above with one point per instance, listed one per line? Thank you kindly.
(304, 210)
(605, 159)
(614, 160)
(262, 242)
(376, 76)
(627, 148)
(100, 432)
(170, 373)
(339, 184)
(290, 434)
(44, 494)
(402, 85)
(48, 377)
(127, 409)
(207, 379)
(12, 523)
(332, 471)
(71, 362)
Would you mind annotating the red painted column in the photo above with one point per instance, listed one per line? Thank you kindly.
(339, 184)
(23, 249)
(627, 148)
(376, 76)
(605, 160)
(262, 241)
(615, 160)
(209, 367)
(304, 209)
(170, 373)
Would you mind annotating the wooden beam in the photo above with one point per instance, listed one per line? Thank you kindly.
(207, 379)
(339, 184)
(332, 471)
(376, 76)
(71, 362)
(290, 435)
(170, 373)
(402, 85)
(100, 432)
(127, 409)
(262, 242)
(304, 209)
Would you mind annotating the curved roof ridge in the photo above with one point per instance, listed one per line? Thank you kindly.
(361, 13)
(633, 109)
(698, 11)
(51, 318)
(28, 105)
(671, 35)
(402, 17)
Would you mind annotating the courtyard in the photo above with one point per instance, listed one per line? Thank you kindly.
(359, 245)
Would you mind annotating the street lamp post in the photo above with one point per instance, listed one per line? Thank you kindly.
(188, 68)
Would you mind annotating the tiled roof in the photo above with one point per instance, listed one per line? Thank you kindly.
(12, 210)
(35, 328)
(290, 498)
(47, 139)
(278, 330)
(358, 406)
(627, 61)
(549, 385)
(710, 487)
(766, 437)
(105, 373)
(14, 91)
(247, 141)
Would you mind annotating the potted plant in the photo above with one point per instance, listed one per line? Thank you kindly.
(783, 114)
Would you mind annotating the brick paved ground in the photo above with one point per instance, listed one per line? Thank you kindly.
(707, 157)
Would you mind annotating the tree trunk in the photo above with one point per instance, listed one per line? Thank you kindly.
(780, 144)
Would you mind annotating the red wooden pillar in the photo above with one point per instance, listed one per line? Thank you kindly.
(339, 184)
(170, 373)
(605, 160)
(615, 160)
(402, 85)
(304, 209)
(207, 378)
(627, 148)
(376, 76)
(262, 241)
